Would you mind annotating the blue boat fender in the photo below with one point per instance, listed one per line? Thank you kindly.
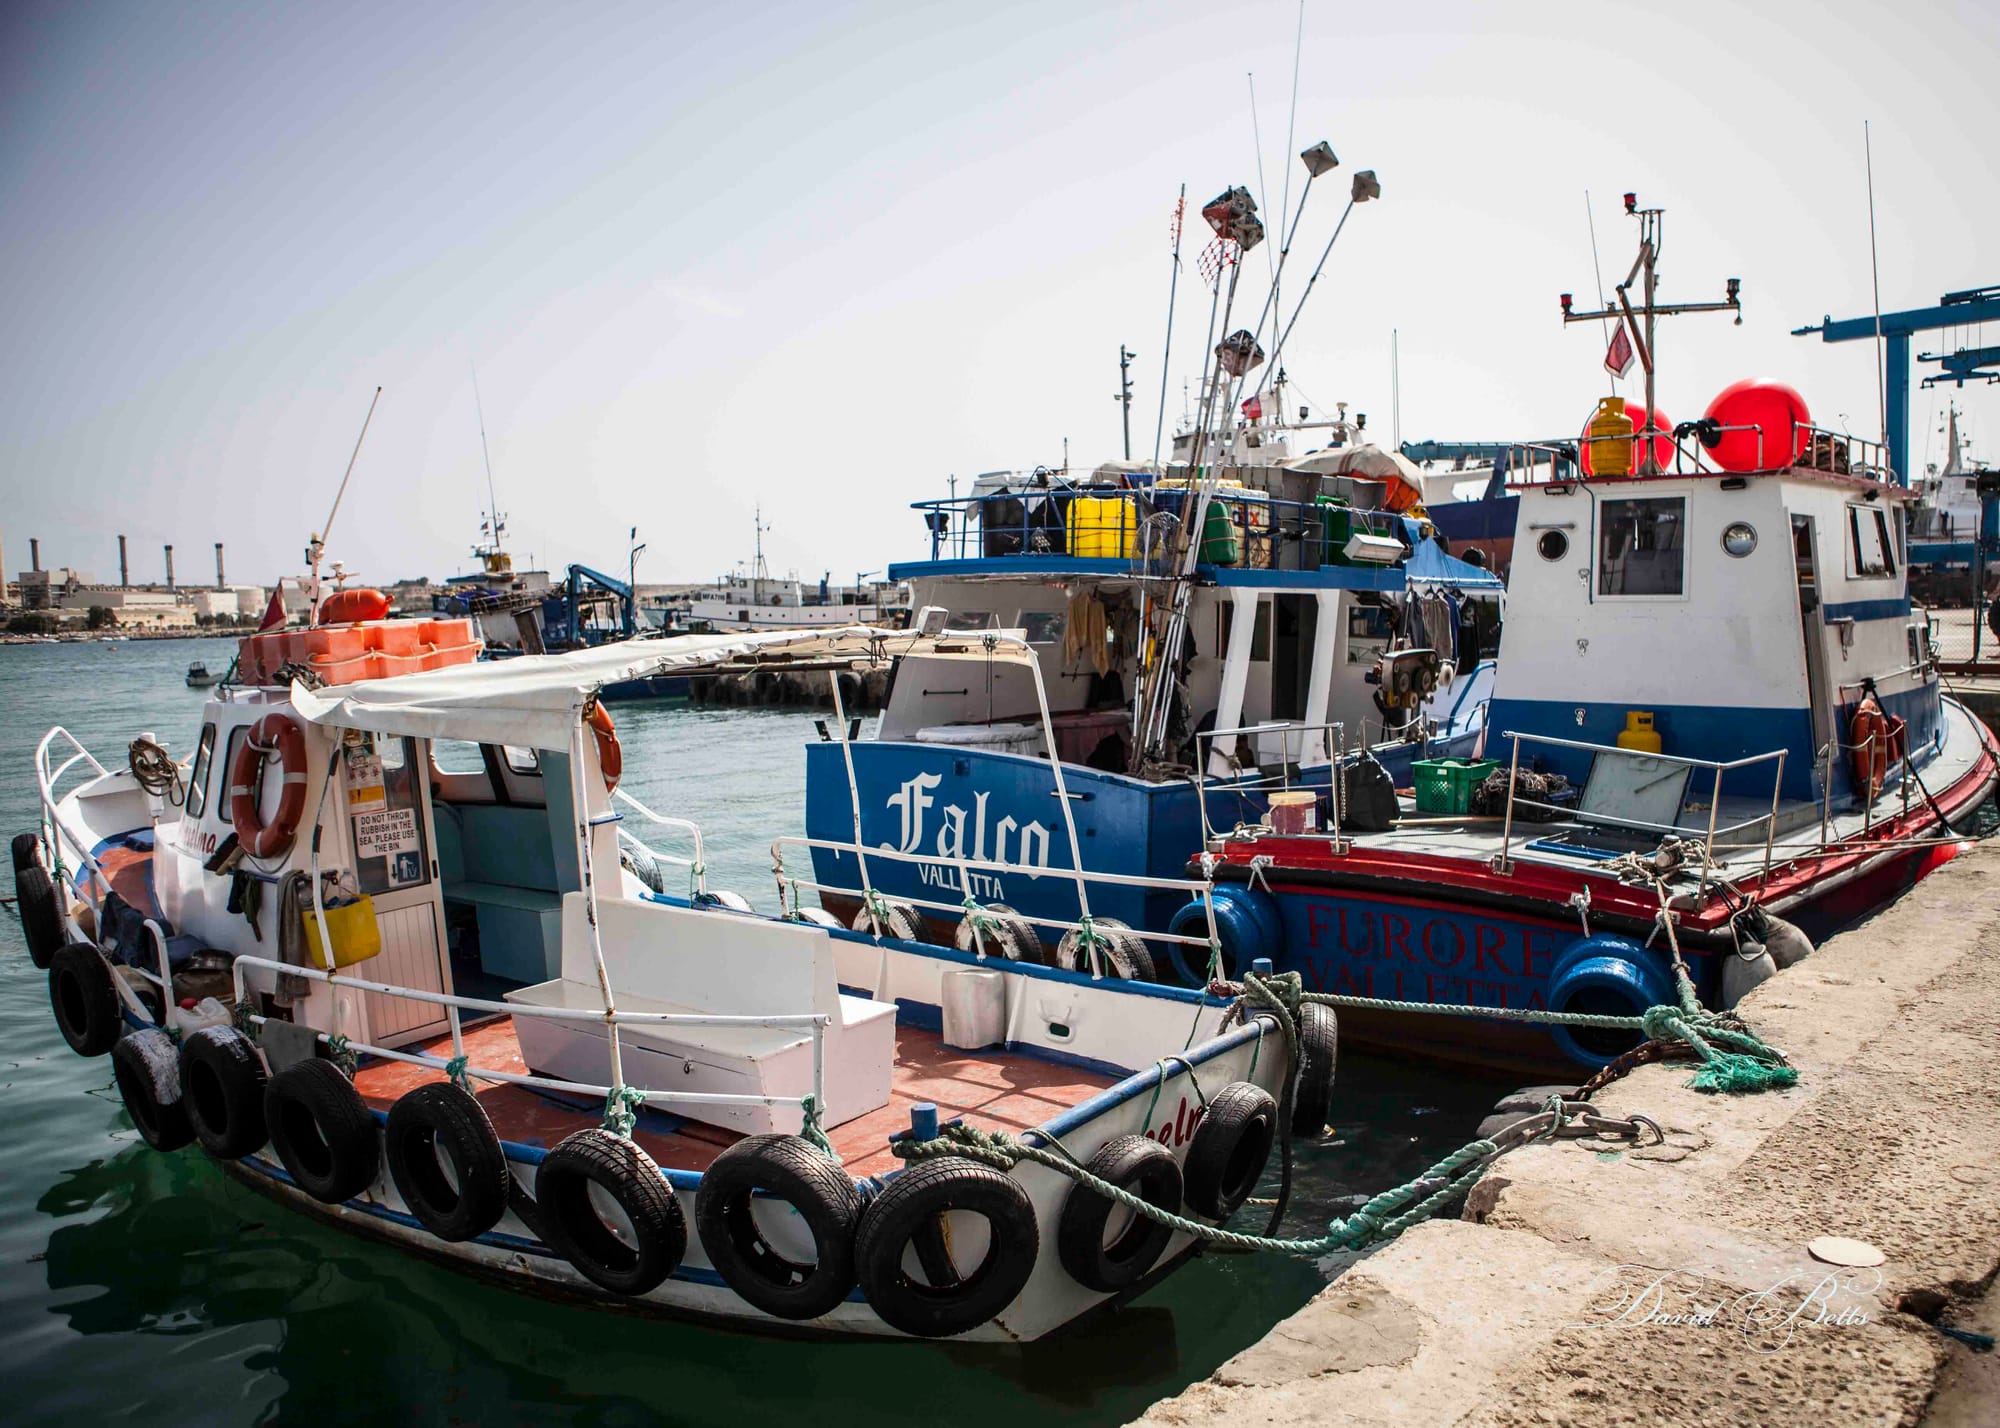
(1605, 975)
(1247, 924)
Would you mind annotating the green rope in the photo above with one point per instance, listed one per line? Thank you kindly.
(454, 1070)
(343, 1054)
(1089, 940)
(697, 870)
(620, 1107)
(985, 926)
(1383, 1217)
(1734, 1059)
(239, 1015)
(878, 909)
(809, 1127)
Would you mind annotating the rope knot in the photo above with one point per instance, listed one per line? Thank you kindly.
(620, 1108)
(454, 1071)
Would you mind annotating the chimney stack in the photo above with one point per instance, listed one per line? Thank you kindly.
(170, 567)
(34, 553)
(124, 570)
(220, 582)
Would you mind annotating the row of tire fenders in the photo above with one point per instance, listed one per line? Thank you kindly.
(213, 1087)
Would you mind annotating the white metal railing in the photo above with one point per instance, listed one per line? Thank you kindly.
(1332, 750)
(46, 779)
(815, 1022)
(789, 886)
(1503, 864)
(697, 866)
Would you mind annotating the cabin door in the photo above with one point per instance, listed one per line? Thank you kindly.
(1294, 633)
(388, 810)
(1812, 628)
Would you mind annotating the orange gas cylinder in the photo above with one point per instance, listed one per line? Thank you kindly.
(348, 607)
(1607, 440)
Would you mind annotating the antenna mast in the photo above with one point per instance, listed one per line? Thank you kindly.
(1645, 275)
(499, 522)
(317, 546)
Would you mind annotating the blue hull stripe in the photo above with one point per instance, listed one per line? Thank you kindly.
(1867, 610)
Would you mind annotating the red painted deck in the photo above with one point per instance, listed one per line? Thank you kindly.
(990, 1089)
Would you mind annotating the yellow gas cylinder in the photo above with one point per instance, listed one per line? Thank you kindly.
(1639, 733)
(1608, 448)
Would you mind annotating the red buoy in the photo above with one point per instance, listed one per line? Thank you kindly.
(1772, 426)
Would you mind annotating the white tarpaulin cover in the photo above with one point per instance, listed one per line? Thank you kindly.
(532, 701)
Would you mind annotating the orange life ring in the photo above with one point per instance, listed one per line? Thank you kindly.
(1870, 733)
(279, 732)
(610, 758)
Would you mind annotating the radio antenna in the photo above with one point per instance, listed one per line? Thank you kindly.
(318, 544)
(1875, 276)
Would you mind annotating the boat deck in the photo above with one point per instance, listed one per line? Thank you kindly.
(1738, 856)
(994, 1090)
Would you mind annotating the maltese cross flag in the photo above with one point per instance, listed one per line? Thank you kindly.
(1618, 360)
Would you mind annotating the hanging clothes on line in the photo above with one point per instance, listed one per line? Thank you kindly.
(1084, 633)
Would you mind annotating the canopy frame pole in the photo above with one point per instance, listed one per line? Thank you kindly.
(1069, 818)
(585, 866)
(853, 799)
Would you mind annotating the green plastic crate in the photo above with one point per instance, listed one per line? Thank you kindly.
(1445, 785)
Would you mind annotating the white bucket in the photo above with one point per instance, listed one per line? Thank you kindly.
(975, 1009)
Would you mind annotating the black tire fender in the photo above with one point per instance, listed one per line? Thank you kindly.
(84, 997)
(576, 1231)
(1124, 952)
(908, 1213)
(222, 1087)
(899, 920)
(1230, 1147)
(147, 1067)
(439, 1123)
(827, 1201)
(1147, 1169)
(1007, 932)
(41, 914)
(322, 1130)
(27, 851)
(1319, 1054)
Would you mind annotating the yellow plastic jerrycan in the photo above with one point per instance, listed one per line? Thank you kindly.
(1639, 733)
(1608, 451)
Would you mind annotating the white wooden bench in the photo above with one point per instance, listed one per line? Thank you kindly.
(683, 961)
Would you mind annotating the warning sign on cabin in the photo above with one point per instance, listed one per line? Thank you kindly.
(364, 780)
(385, 833)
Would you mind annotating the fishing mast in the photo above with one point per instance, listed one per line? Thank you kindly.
(1639, 321)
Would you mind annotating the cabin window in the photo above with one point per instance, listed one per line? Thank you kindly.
(520, 760)
(1869, 553)
(1640, 550)
(1043, 627)
(456, 756)
(971, 620)
(197, 789)
(385, 813)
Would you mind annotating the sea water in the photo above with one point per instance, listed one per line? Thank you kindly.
(147, 1286)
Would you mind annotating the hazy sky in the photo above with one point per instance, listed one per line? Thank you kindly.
(824, 255)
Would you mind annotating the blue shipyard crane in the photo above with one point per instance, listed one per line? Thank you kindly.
(1960, 309)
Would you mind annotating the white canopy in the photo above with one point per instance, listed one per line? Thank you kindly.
(532, 701)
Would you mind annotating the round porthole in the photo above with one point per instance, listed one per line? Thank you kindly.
(1553, 545)
(1739, 538)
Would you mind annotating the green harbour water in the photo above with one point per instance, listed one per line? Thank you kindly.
(136, 1286)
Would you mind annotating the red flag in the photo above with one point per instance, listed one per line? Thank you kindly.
(1253, 409)
(274, 613)
(1618, 360)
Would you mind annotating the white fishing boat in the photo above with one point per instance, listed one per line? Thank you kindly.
(754, 599)
(391, 951)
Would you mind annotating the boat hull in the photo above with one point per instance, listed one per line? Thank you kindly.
(946, 802)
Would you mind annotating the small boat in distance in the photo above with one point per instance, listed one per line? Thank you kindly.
(199, 677)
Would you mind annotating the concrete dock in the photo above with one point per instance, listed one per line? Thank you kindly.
(1590, 1284)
